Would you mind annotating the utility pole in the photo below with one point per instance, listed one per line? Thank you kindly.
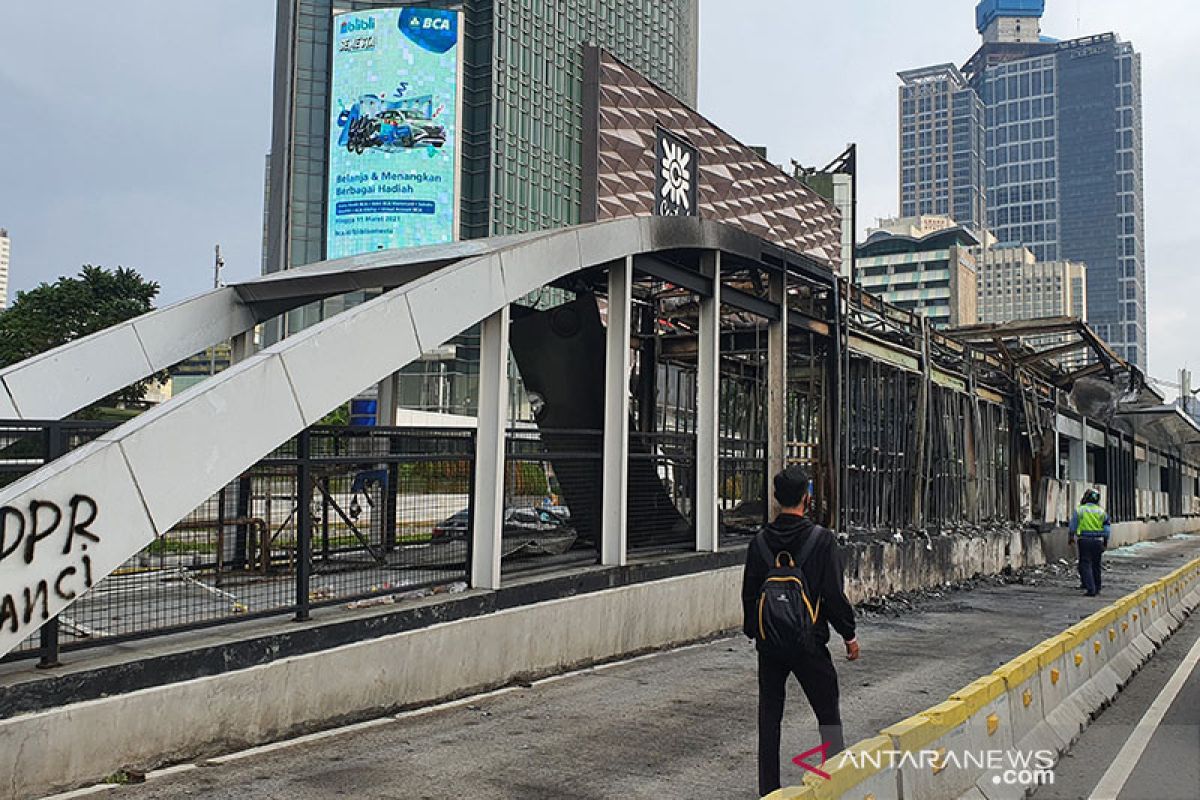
(218, 264)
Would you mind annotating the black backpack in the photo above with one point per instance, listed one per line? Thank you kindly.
(786, 615)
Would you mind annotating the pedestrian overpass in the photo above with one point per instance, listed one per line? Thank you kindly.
(68, 524)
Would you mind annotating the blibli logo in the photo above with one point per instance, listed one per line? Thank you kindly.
(357, 24)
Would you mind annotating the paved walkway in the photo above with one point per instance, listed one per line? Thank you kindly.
(676, 724)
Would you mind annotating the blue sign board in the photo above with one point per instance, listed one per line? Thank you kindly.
(394, 130)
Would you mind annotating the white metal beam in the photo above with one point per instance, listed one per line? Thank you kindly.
(707, 410)
(241, 346)
(488, 502)
(63, 380)
(615, 502)
(387, 400)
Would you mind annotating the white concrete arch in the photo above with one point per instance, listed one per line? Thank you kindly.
(68, 524)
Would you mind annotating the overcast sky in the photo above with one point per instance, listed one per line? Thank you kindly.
(133, 132)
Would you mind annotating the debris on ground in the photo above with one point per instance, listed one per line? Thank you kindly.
(898, 603)
(416, 594)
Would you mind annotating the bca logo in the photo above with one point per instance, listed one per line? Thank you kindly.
(431, 29)
(431, 23)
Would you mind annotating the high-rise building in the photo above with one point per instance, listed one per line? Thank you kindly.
(521, 122)
(923, 264)
(941, 146)
(520, 134)
(1013, 284)
(1010, 20)
(1064, 161)
(1063, 156)
(836, 183)
(4, 255)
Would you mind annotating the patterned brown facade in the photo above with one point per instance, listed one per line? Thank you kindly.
(622, 113)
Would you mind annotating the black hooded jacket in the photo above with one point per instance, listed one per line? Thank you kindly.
(822, 575)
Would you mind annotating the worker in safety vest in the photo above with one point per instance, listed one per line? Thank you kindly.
(1090, 525)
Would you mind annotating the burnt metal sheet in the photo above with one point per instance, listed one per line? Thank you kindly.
(560, 354)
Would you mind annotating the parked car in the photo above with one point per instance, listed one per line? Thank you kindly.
(527, 531)
(452, 527)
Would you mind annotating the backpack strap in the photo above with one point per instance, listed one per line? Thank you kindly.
(810, 544)
(760, 544)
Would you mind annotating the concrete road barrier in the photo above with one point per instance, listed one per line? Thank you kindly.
(1034, 706)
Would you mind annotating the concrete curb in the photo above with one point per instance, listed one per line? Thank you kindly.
(1039, 701)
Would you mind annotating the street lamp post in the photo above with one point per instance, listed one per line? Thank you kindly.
(218, 264)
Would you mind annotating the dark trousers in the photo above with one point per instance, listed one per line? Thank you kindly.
(1090, 548)
(818, 679)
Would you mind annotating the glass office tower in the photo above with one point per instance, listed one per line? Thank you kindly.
(1064, 168)
(941, 146)
(1062, 129)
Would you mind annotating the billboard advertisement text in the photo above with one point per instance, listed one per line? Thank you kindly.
(393, 144)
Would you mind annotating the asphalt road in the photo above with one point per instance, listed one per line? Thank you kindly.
(682, 723)
(1169, 766)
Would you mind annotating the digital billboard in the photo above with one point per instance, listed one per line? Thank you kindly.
(393, 144)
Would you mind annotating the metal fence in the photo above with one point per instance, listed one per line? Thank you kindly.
(358, 516)
(880, 432)
(662, 491)
(553, 480)
(994, 460)
(337, 516)
(742, 488)
(946, 486)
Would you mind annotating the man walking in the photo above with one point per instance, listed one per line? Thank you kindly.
(1090, 525)
(793, 555)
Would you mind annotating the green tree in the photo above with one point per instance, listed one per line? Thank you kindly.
(70, 308)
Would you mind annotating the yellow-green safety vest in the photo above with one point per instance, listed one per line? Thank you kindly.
(1091, 518)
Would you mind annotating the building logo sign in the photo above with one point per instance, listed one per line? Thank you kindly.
(1084, 52)
(675, 176)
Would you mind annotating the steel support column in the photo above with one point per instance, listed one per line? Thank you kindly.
(241, 346)
(920, 505)
(488, 502)
(614, 501)
(387, 399)
(48, 635)
(1077, 456)
(304, 529)
(776, 388)
(708, 401)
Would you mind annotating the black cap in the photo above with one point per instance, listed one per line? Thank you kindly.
(791, 485)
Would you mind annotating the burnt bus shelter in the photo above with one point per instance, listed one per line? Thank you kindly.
(678, 363)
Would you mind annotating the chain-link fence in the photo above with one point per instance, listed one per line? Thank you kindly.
(553, 484)
(662, 492)
(344, 515)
